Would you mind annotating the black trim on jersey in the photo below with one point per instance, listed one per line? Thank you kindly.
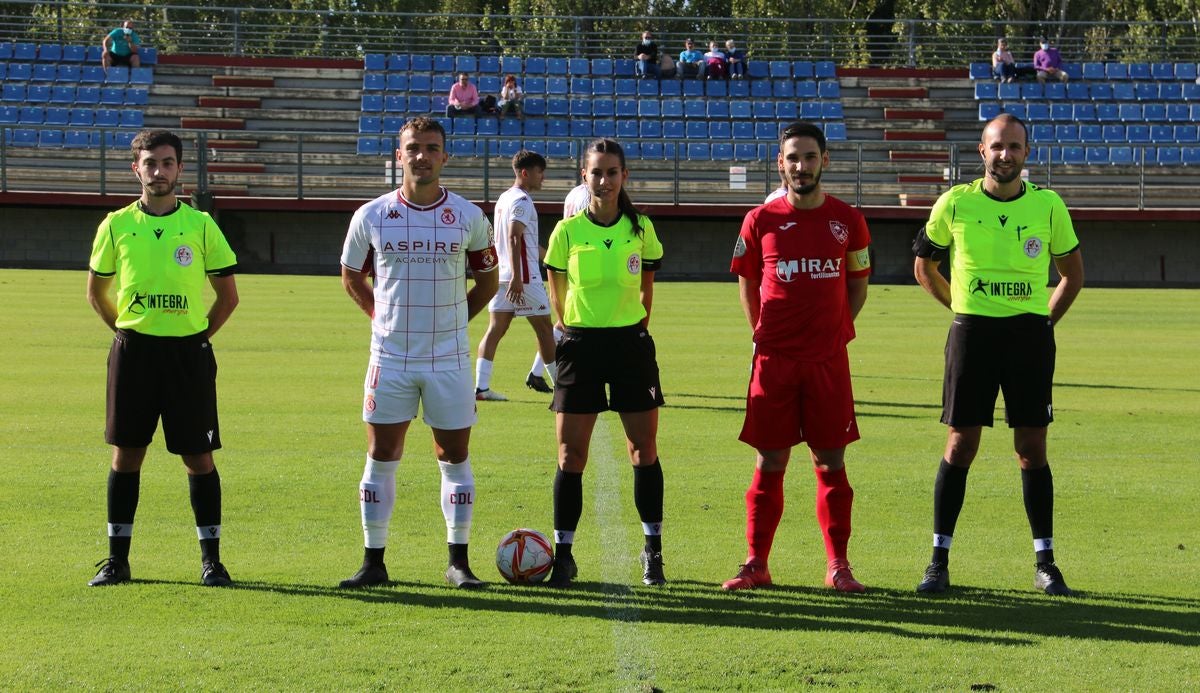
(224, 271)
(1018, 196)
(1073, 249)
(552, 268)
(651, 265)
(923, 247)
(142, 207)
(614, 222)
(104, 275)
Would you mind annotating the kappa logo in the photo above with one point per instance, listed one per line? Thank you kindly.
(448, 216)
(840, 231)
(1003, 219)
(158, 233)
(785, 227)
(394, 214)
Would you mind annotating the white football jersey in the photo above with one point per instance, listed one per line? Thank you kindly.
(776, 194)
(419, 256)
(516, 205)
(577, 200)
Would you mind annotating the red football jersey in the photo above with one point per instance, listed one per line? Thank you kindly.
(802, 259)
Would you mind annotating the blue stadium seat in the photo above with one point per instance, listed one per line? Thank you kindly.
(1093, 71)
(673, 129)
(1177, 112)
(1101, 92)
(511, 65)
(119, 140)
(113, 96)
(372, 103)
(1191, 90)
(117, 75)
(1061, 111)
(1138, 133)
(44, 73)
(981, 71)
(538, 146)
(9, 115)
(760, 89)
(672, 108)
(1042, 132)
(1078, 91)
(1124, 91)
(602, 86)
(556, 66)
(78, 139)
(1170, 91)
(654, 150)
(57, 116)
(1116, 71)
(90, 74)
(698, 151)
(604, 127)
(87, 95)
(558, 127)
(1162, 134)
(811, 110)
(395, 103)
(31, 115)
(604, 108)
(1162, 71)
(535, 66)
(374, 81)
(421, 63)
(366, 124)
(716, 88)
(24, 137)
(670, 87)
(465, 63)
(1189, 155)
(6, 50)
(647, 87)
(395, 81)
(1097, 155)
(1169, 156)
(558, 107)
(766, 130)
(807, 89)
(743, 130)
(720, 130)
(825, 69)
(578, 66)
(1154, 112)
(392, 124)
(627, 108)
(50, 139)
(722, 151)
(763, 109)
(602, 66)
(26, 52)
(1055, 91)
(624, 86)
(73, 54)
(1066, 133)
(50, 53)
(802, 69)
(1194, 112)
(693, 88)
(757, 69)
(59, 94)
(696, 129)
(510, 127)
(148, 55)
(420, 83)
(782, 88)
(581, 108)
(420, 103)
(1145, 91)
(779, 69)
(1091, 133)
(1032, 90)
(535, 127)
(649, 108)
(1130, 112)
(740, 88)
(508, 148)
(93, 54)
(535, 85)
(580, 85)
(1108, 112)
(740, 109)
(835, 132)
(443, 63)
(489, 64)
(745, 151)
(983, 91)
(786, 110)
(1074, 155)
(68, 73)
(1084, 112)
(441, 83)
(462, 146)
(558, 86)
(623, 67)
(1112, 133)
(1038, 156)
(131, 118)
(627, 129)
(987, 110)
(1140, 71)
(829, 90)
(1009, 91)
(581, 127)
(1185, 72)
(697, 108)
(650, 129)
(375, 62)
(37, 93)
(1036, 111)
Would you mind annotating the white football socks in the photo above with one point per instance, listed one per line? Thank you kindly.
(483, 374)
(377, 497)
(539, 364)
(458, 500)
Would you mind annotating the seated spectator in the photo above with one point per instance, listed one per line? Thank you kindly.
(715, 65)
(666, 66)
(647, 57)
(1048, 63)
(691, 61)
(1004, 67)
(120, 47)
(736, 58)
(464, 98)
(510, 98)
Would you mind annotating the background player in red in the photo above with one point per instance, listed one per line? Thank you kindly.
(803, 265)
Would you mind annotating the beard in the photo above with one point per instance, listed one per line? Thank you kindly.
(1003, 177)
(806, 188)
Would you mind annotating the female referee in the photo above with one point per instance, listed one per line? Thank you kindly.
(601, 263)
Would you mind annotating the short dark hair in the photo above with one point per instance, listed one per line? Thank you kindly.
(526, 159)
(1006, 118)
(153, 139)
(800, 128)
(424, 124)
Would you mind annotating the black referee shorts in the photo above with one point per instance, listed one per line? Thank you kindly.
(623, 358)
(985, 356)
(171, 377)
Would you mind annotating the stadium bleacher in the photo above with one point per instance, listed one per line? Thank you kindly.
(577, 98)
(51, 86)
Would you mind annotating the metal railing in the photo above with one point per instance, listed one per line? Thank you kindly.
(321, 165)
(901, 42)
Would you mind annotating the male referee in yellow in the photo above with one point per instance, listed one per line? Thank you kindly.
(158, 253)
(1000, 234)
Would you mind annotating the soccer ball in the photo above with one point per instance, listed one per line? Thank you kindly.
(524, 556)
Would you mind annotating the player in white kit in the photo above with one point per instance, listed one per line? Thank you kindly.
(416, 243)
(521, 292)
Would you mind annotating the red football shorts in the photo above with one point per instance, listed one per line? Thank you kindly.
(791, 402)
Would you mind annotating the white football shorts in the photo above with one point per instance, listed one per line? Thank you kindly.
(447, 398)
(536, 301)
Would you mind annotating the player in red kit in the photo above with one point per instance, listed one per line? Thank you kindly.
(803, 265)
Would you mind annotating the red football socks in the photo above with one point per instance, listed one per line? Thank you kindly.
(834, 499)
(764, 507)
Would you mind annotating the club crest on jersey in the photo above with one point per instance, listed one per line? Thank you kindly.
(739, 248)
(369, 403)
(634, 264)
(1033, 247)
(183, 255)
(448, 216)
(840, 231)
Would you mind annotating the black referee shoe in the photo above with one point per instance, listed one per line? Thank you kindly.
(113, 571)
(652, 568)
(213, 574)
(565, 571)
(1049, 579)
(367, 576)
(460, 575)
(537, 382)
(936, 579)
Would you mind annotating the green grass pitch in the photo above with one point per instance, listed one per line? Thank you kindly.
(1123, 448)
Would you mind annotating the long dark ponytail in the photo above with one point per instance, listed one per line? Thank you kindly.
(610, 146)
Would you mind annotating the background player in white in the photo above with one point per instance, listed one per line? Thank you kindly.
(416, 242)
(577, 200)
(521, 289)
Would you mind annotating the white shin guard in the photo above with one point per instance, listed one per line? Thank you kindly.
(377, 497)
(458, 500)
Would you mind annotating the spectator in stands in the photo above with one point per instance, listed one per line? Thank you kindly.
(715, 65)
(1048, 63)
(1004, 66)
(736, 58)
(666, 66)
(464, 98)
(121, 47)
(510, 98)
(647, 57)
(691, 61)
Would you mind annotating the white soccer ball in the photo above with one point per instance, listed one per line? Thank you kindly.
(524, 556)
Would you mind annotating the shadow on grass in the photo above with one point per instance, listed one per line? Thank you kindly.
(964, 614)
